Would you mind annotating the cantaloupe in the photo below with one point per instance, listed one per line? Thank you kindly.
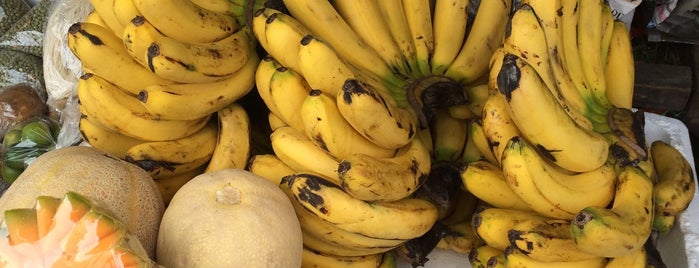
(229, 218)
(122, 188)
(67, 232)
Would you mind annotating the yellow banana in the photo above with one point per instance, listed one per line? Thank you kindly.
(419, 16)
(287, 91)
(676, 185)
(486, 181)
(607, 31)
(313, 258)
(636, 259)
(471, 152)
(570, 192)
(321, 66)
(297, 151)
(107, 104)
(477, 95)
(620, 69)
(365, 18)
(589, 43)
(497, 125)
(376, 117)
(449, 24)
(520, 178)
(165, 158)
(326, 127)
(259, 21)
(623, 228)
(449, 136)
(269, 166)
(186, 62)
(477, 136)
(185, 21)
(104, 54)
(189, 101)
(105, 10)
(104, 139)
(169, 185)
(371, 178)
(95, 18)
(461, 111)
(124, 11)
(393, 13)
(233, 143)
(263, 75)
(274, 121)
(486, 256)
(492, 224)
(322, 245)
(407, 218)
(548, 126)
(546, 241)
(461, 238)
(220, 6)
(515, 258)
(327, 24)
(282, 34)
(487, 31)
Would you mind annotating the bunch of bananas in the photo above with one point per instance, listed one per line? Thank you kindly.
(161, 84)
(531, 99)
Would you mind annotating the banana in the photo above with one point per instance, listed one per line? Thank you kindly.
(326, 127)
(520, 178)
(327, 24)
(546, 241)
(274, 121)
(365, 18)
(531, 41)
(369, 178)
(107, 104)
(636, 259)
(461, 111)
(548, 126)
(186, 62)
(515, 258)
(165, 158)
(377, 219)
(498, 126)
(287, 92)
(269, 166)
(676, 185)
(570, 192)
(259, 22)
(486, 181)
(312, 258)
(105, 10)
(419, 16)
(263, 75)
(124, 11)
(479, 140)
(487, 31)
(321, 66)
(449, 24)
(374, 116)
(326, 237)
(471, 152)
(94, 17)
(393, 13)
(282, 35)
(185, 21)
(607, 31)
(233, 143)
(619, 70)
(589, 43)
(492, 224)
(663, 224)
(297, 151)
(103, 53)
(461, 238)
(190, 101)
(623, 228)
(477, 95)
(486, 256)
(464, 205)
(449, 136)
(104, 139)
(219, 6)
(169, 185)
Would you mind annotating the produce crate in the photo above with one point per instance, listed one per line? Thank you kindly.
(679, 248)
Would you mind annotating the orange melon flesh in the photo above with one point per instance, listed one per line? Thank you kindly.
(68, 232)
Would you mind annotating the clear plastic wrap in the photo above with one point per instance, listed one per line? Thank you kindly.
(26, 141)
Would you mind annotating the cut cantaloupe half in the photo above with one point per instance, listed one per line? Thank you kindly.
(67, 232)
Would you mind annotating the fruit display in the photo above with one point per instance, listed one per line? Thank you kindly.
(353, 133)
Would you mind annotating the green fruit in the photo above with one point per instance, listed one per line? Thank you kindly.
(14, 157)
(12, 137)
(38, 132)
(10, 174)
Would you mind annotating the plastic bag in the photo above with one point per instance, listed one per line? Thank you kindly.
(26, 141)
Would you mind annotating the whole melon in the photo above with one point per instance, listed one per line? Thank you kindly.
(122, 188)
(229, 218)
